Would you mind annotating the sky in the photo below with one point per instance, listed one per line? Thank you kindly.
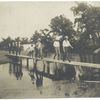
(23, 18)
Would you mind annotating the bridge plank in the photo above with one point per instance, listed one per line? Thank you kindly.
(92, 81)
(75, 63)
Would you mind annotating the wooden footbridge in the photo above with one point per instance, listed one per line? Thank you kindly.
(75, 63)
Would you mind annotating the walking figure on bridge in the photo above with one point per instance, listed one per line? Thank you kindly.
(66, 45)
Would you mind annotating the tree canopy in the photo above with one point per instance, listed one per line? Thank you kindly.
(62, 25)
(87, 21)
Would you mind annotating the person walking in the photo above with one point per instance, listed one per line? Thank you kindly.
(66, 45)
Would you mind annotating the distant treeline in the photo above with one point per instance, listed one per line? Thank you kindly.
(84, 33)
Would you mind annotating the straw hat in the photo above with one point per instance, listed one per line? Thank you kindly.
(66, 37)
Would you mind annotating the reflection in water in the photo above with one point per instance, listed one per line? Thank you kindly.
(43, 87)
(16, 70)
(35, 76)
(35, 73)
(10, 68)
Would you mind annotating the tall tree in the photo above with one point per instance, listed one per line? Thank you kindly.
(62, 25)
(87, 21)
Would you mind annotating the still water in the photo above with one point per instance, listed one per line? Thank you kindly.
(24, 87)
(21, 85)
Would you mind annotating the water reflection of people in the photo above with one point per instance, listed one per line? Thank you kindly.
(31, 74)
(18, 72)
(39, 81)
(36, 77)
(10, 69)
(16, 69)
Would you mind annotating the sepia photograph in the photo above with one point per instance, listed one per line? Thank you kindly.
(49, 49)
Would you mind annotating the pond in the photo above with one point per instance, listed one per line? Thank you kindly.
(15, 82)
(11, 87)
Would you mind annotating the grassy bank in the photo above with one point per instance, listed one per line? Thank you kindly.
(3, 58)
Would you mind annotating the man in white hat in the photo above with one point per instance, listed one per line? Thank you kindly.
(66, 44)
(56, 45)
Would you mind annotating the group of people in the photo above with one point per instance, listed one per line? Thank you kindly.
(36, 49)
(16, 70)
(65, 47)
(15, 47)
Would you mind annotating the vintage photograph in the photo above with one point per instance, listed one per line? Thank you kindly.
(49, 49)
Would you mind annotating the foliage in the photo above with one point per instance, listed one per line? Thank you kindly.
(45, 37)
(18, 39)
(87, 21)
(5, 42)
(35, 36)
(62, 25)
(24, 40)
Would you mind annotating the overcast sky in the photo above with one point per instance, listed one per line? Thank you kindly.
(23, 18)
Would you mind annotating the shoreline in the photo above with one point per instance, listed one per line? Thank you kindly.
(3, 58)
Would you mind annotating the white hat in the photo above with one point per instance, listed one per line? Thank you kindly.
(66, 37)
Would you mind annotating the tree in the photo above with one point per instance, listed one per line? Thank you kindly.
(87, 21)
(62, 26)
(5, 42)
(24, 40)
(17, 39)
(46, 39)
(35, 36)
